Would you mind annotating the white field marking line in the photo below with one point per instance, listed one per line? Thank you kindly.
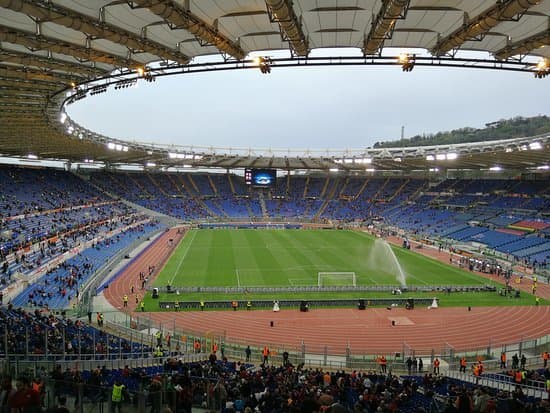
(296, 267)
(294, 282)
(183, 258)
(238, 280)
(416, 278)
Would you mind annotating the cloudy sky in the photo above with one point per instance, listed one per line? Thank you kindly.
(317, 108)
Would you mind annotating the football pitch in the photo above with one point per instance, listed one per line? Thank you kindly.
(250, 258)
(292, 258)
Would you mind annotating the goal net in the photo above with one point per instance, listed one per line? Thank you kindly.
(327, 279)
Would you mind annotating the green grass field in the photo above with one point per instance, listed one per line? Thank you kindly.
(282, 258)
(255, 258)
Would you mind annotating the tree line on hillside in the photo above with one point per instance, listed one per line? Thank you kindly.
(517, 127)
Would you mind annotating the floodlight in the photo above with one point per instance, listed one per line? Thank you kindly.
(264, 63)
(451, 156)
(407, 61)
(63, 117)
(334, 169)
(430, 158)
(542, 69)
(369, 169)
(32, 156)
(403, 58)
(535, 145)
(150, 164)
(543, 167)
(495, 168)
(111, 145)
(440, 156)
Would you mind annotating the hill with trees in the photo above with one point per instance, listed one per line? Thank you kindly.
(517, 127)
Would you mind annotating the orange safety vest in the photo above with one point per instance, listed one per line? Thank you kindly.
(214, 348)
(503, 357)
(265, 351)
(383, 360)
(546, 356)
(37, 387)
(436, 363)
(197, 345)
(463, 362)
(476, 370)
(518, 376)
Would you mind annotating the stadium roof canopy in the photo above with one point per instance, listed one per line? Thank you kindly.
(55, 52)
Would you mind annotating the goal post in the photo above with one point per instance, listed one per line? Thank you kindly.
(327, 279)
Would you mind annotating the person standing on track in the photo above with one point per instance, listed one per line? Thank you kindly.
(436, 365)
(383, 364)
(503, 360)
(265, 354)
(463, 365)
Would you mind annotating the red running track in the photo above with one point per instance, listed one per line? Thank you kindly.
(157, 255)
(370, 331)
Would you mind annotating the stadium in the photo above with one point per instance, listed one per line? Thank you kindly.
(409, 275)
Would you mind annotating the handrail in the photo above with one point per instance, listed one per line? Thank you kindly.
(499, 383)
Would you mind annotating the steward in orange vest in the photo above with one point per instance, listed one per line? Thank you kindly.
(502, 360)
(436, 366)
(383, 364)
(463, 364)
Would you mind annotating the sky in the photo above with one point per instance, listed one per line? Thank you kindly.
(310, 108)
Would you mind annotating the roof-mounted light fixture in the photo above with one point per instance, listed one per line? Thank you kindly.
(542, 69)
(407, 61)
(264, 63)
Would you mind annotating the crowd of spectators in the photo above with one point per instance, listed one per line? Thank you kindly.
(445, 211)
(59, 286)
(227, 387)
